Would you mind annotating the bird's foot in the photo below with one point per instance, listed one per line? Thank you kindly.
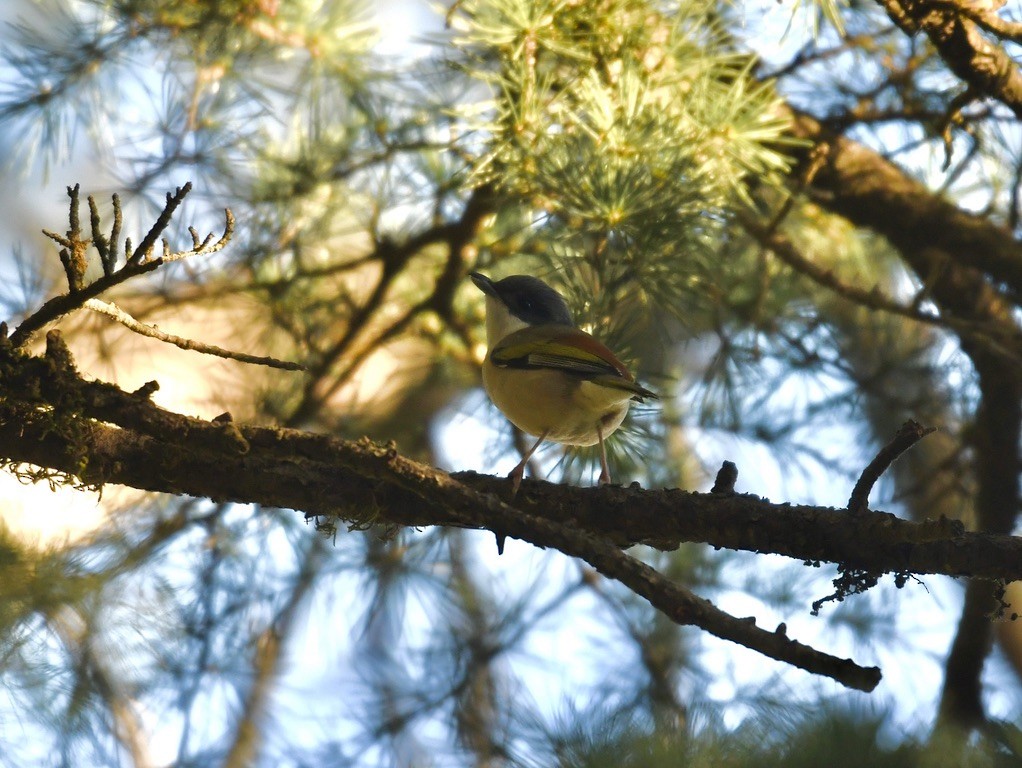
(515, 476)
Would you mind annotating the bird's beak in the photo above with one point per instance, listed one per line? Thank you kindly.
(484, 284)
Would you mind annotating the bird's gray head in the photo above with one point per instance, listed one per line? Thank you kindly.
(528, 299)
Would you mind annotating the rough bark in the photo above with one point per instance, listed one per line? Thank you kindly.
(53, 418)
(982, 64)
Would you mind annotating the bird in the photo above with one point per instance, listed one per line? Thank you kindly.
(551, 379)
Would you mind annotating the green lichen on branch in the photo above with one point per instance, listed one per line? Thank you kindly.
(39, 397)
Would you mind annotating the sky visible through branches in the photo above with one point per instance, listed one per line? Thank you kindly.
(353, 634)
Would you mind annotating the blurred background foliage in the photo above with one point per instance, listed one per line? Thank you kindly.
(374, 153)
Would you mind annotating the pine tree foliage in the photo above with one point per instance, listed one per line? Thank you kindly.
(627, 132)
(799, 225)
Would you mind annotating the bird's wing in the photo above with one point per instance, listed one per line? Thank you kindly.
(566, 349)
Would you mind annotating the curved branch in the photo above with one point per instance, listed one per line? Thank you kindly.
(151, 331)
(982, 64)
(998, 337)
(908, 435)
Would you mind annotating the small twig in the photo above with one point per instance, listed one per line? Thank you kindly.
(122, 317)
(58, 239)
(107, 248)
(73, 250)
(98, 240)
(115, 234)
(908, 435)
(145, 248)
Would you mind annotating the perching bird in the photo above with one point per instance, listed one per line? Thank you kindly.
(550, 379)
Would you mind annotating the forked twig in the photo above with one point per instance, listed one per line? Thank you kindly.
(138, 261)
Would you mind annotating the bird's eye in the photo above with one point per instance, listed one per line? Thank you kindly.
(527, 304)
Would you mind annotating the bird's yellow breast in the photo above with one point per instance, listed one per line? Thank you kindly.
(568, 409)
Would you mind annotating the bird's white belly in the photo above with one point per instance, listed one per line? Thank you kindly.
(566, 408)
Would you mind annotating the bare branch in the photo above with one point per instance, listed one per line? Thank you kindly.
(73, 257)
(154, 449)
(122, 317)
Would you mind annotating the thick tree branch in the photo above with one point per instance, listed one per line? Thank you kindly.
(63, 424)
(101, 434)
(93, 431)
(982, 64)
(870, 191)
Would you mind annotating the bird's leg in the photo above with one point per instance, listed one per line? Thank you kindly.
(516, 474)
(604, 468)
